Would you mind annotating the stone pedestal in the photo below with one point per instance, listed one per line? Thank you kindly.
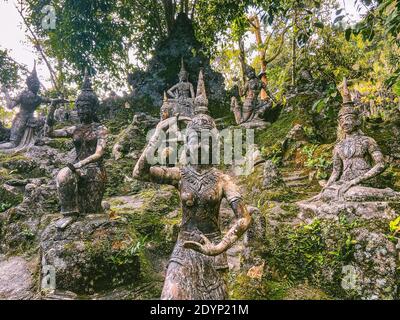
(369, 271)
(90, 254)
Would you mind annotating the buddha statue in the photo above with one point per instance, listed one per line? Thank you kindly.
(196, 266)
(357, 159)
(81, 184)
(28, 101)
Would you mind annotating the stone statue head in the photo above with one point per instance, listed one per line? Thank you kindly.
(250, 72)
(87, 102)
(166, 110)
(349, 119)
(183, 74)
(202, 140)
(32, 81)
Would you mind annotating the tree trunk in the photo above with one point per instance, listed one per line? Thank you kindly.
(255, 22)
(169, 11)
(242, 58)
(294, 47)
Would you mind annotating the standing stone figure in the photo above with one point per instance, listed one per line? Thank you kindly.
(181, 95)
(352, 167)
(81, 185)
(251, 91)
(23, 122)
(198, 259)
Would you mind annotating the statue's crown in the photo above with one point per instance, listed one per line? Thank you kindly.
(201, 101)
(346, 93)
(87, 93)
(33, 79)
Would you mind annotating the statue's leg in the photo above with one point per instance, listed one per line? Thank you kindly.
(91, 188)
(247, 111)
(172, 289)
(67, 187)
(16, 133)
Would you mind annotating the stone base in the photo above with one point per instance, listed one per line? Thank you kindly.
(352, 210)
(255, 124)
(89, 254)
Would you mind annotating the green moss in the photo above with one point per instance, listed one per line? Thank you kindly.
(62, 144)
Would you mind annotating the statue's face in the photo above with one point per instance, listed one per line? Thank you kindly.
(200, 146)
(348, 123)
(85, 111)
(34, 86)
(183, 76)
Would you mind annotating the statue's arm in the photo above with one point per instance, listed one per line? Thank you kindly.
(146, 171)
(11, 103)
(60, 133)
(192, 94)
(337, 168)
(100, 149)
(171, 91)
(235, 232)
(379, 163)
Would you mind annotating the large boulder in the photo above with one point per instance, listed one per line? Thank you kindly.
(90, 254)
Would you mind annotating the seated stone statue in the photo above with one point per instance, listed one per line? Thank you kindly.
(81, 185)
(23, 122)
(351, 161)
(181, 96)
(251, 104)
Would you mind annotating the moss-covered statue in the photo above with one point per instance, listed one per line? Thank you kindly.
(180, 98)
(195, 269)
(250, 91)
(357, 159)
(81, 184)
(23, 124)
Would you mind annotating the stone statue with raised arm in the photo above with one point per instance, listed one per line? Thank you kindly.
(199, 256)
(81, 184)
(28, 101)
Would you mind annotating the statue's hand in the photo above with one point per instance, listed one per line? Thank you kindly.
(207, 248)
(343, 189)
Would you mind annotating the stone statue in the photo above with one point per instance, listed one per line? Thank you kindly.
(81, 185)
(22, 129)
(251, 104)
(181, 96)
(352, 168)
(198, 259)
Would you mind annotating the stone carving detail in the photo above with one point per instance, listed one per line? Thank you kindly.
(179, 98)
(198, 259)
(352, 172)
(251, 105)
(24, 122)
(81, 184)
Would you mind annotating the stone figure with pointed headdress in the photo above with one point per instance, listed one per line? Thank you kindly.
(357, 160)
(81, 184)
(22, 129)
(180, 98)
(195, 269)
(251, 104)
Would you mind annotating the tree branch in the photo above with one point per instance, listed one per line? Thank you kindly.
(34, 39)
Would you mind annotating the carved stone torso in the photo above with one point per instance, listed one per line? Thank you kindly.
(354, 151)
(201, 195)
(85, 140)
(253, 90)
(183, 90)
